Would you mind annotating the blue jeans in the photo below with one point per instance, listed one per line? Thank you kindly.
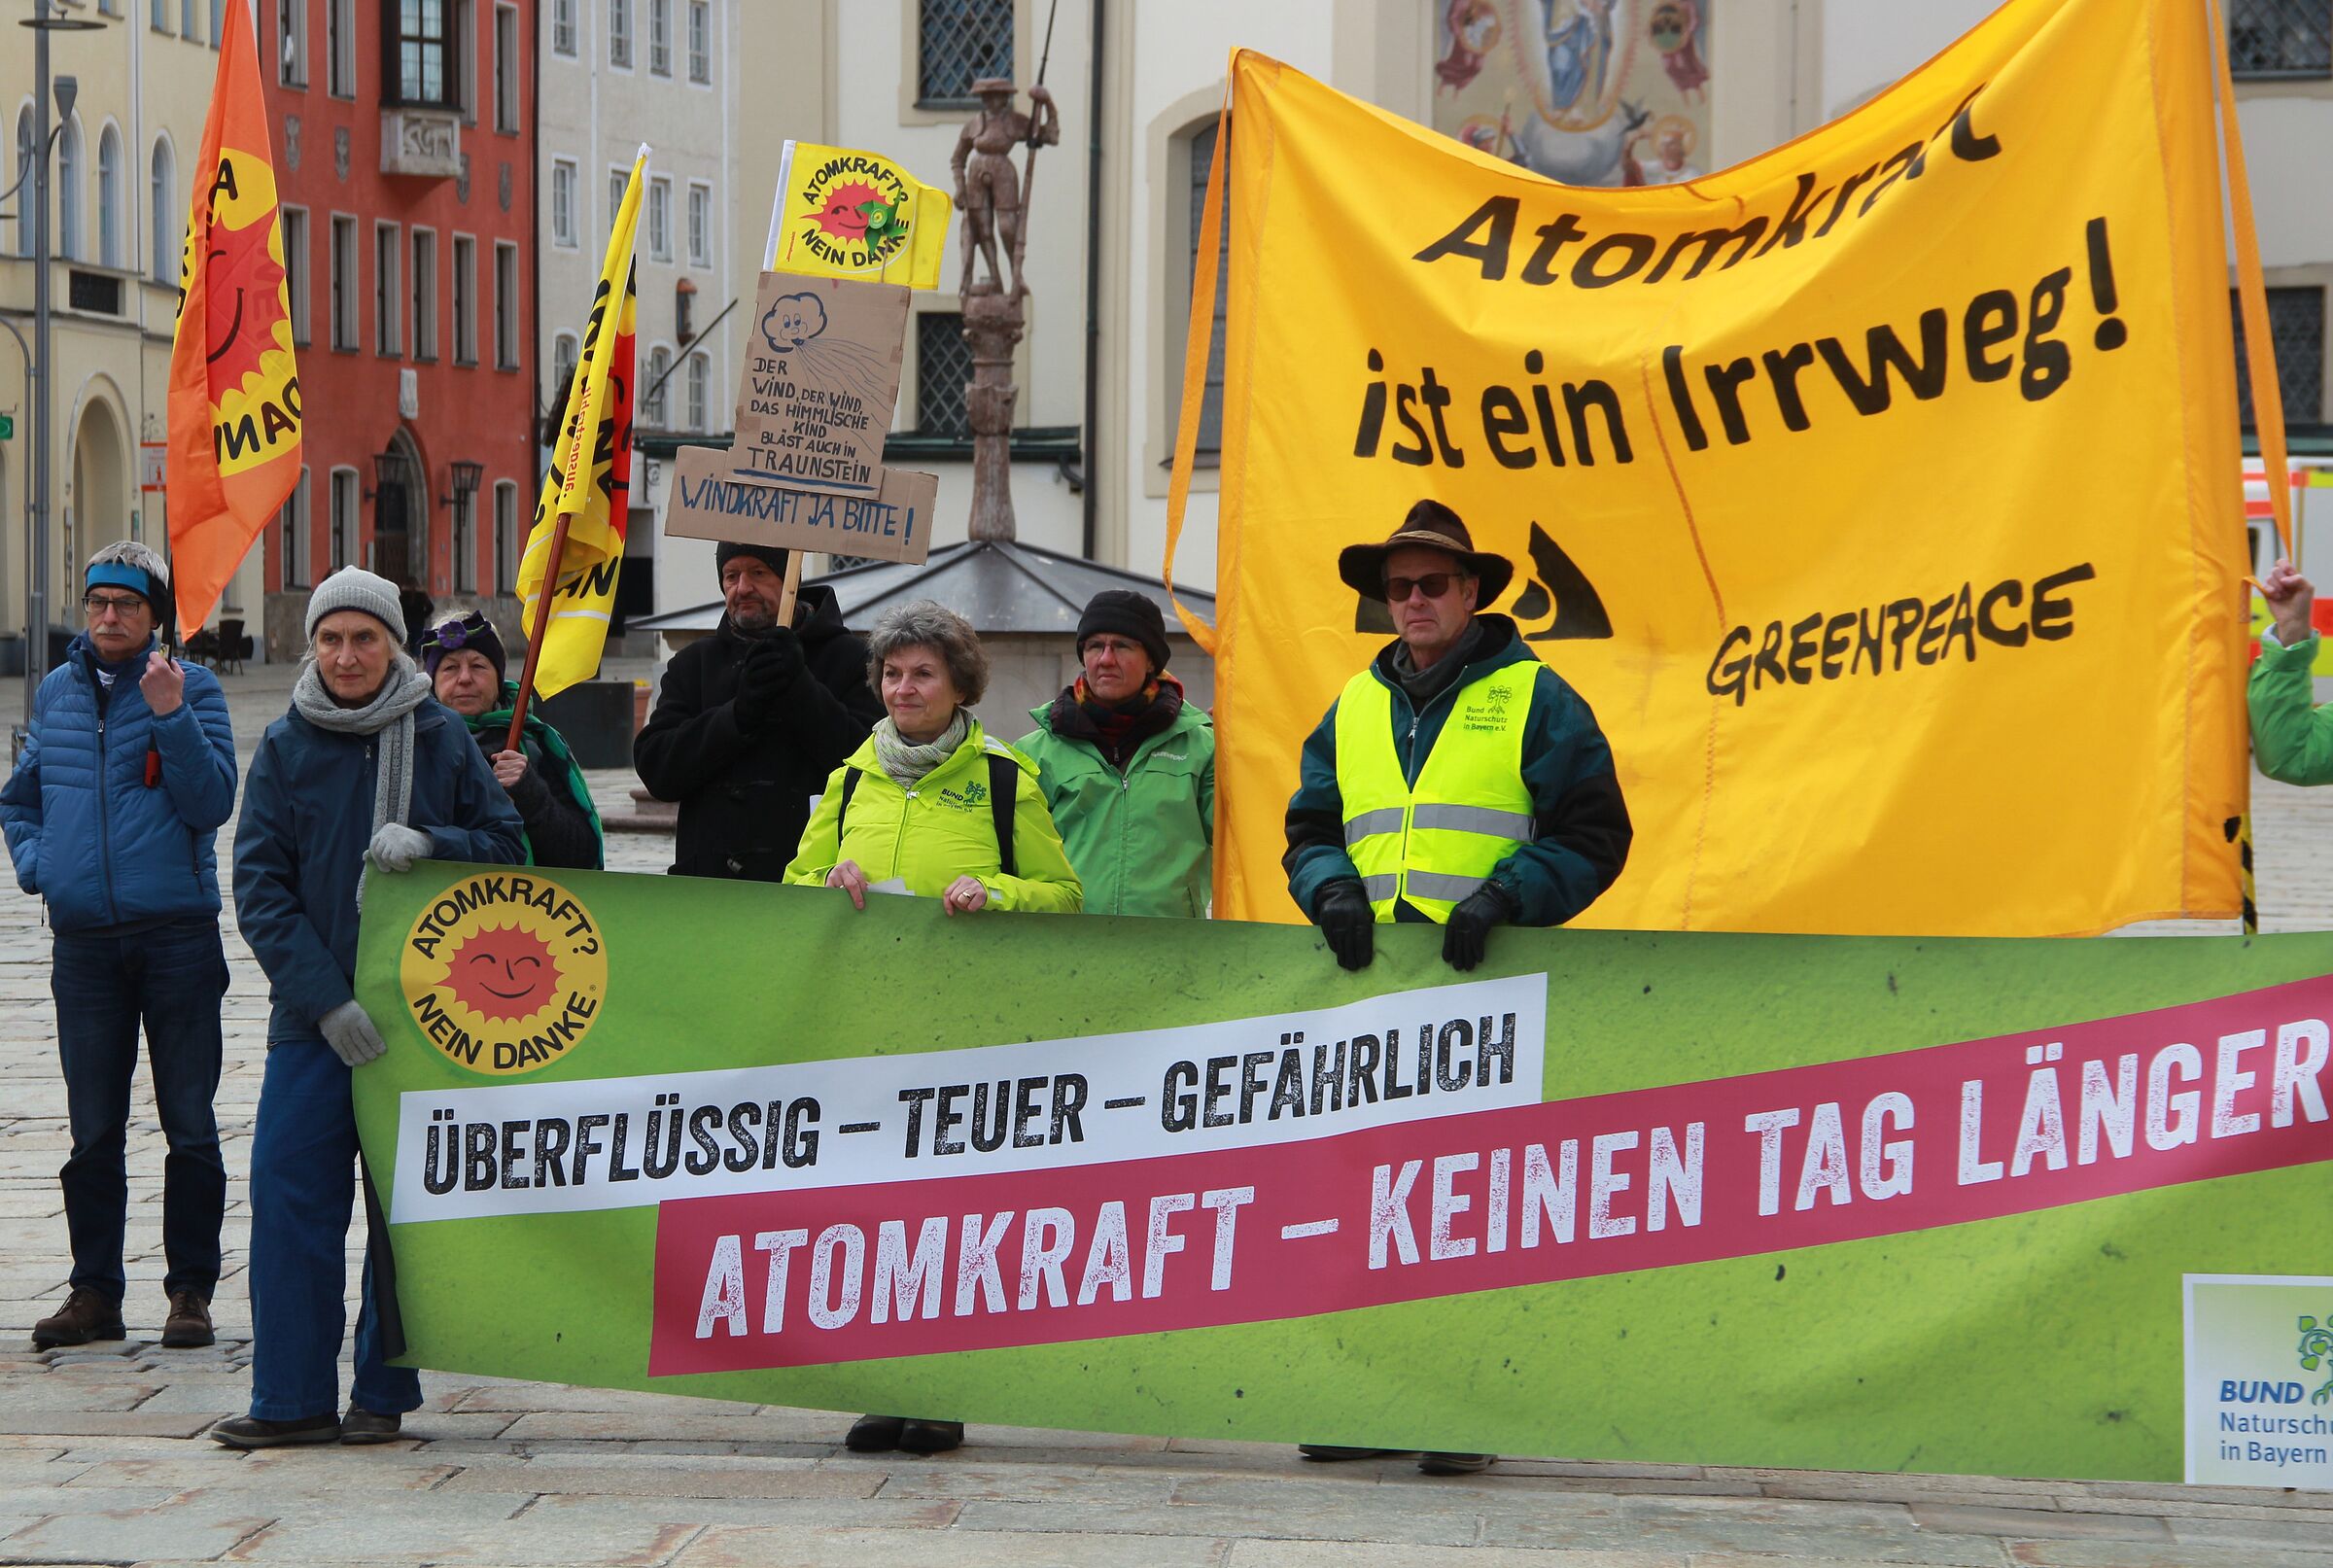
(172, 978)
(303, 1185)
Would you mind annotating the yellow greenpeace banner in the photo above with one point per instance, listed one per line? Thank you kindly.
(1879, 493)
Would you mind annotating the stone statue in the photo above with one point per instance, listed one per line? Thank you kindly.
(994, 204)
(994, 197)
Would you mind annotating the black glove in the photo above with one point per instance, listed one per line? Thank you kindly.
(1342, 912)
(769, 673)
(1468, 933)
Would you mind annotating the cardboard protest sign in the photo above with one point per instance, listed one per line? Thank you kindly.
(822, 376)
(712, 498)
(1839, 1203)
(1878, 493)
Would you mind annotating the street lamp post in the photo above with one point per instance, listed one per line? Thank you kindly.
(40, 382)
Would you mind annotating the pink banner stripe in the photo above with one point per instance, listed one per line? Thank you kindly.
(1647, 1178)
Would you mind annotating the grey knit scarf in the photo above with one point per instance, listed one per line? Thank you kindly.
(389, 716)
(907, 762)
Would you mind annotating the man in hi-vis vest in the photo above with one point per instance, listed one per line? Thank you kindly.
(1457, 778)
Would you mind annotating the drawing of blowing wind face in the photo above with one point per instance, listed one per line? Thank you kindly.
(793, 321)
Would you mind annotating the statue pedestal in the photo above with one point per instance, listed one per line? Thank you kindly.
(994, 323)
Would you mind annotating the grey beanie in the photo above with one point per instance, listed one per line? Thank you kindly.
(355, 588)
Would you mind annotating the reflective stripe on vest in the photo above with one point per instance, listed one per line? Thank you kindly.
(1435, 845)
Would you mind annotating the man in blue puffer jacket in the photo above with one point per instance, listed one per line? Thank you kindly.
(111, 812)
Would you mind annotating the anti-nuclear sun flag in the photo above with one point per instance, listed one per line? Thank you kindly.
(1879, 493)
(587, 490)
(847, 214)
(234, 416)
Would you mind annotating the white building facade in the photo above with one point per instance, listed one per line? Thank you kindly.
(121, 170)
(616, 73)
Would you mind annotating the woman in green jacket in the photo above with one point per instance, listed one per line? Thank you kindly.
(1128, 767)
(2292, 737)
(931, 802)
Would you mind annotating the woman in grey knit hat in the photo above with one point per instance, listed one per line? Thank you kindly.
(368, 773)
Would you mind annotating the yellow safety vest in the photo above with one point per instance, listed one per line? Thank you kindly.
(1435, 844)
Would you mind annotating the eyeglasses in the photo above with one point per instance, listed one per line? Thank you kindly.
(1434, 584)
(122, 606)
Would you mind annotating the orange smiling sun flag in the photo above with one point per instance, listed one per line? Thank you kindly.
(234, 387)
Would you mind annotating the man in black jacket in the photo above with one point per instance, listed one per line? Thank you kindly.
(750, 720)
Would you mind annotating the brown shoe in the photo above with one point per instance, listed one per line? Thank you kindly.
(188, 1325)
(84, 1316)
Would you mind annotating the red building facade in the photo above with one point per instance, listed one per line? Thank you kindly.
(404, 133)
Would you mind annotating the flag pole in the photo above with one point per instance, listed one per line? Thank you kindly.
(542, 619)
(792, 588)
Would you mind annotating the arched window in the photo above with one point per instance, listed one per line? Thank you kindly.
(109, 198)
(563, 366)
(700, 374)
(1200, 154)
(652, 400)
(68, 192)
(169, 237)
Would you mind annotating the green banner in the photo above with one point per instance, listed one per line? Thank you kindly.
(1803, 1201)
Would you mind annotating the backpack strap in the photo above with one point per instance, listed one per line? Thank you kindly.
(843, 806)
(1004, 785)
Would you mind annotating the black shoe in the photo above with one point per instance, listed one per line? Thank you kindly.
(361, 1426)
(1329, 1452)
(930, 1437)
(84, 1316)
(1453, 1464)
(874, 1433)
(188, 1325)
(250, 1432)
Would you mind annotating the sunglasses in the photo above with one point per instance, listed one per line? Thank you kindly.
(1434, 584)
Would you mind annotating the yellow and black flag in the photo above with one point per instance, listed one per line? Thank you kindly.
(586, 494)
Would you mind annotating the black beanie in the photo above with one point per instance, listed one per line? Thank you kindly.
(729, 549)
(471, 631)
(1126, 613)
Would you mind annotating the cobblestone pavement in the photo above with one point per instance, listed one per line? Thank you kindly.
(102, 1458)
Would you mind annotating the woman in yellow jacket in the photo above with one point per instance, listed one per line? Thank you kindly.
(931, 801)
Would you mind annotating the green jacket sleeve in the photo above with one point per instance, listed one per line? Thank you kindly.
(1207, 783)
(1045, 884)
(1316, 855)
(2292, 737)
(821, 837)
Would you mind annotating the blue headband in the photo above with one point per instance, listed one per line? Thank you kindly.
(121, 574)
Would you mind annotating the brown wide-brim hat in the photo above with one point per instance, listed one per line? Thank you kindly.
(1434, 527)
(993, 83)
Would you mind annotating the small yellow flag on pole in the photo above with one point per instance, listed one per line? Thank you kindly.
(847, 214)
(577, 541)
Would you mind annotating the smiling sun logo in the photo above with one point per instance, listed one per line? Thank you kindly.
(504, 973)
(844, 216)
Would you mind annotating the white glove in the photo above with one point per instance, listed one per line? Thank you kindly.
(396, 847)
(349, 1032)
